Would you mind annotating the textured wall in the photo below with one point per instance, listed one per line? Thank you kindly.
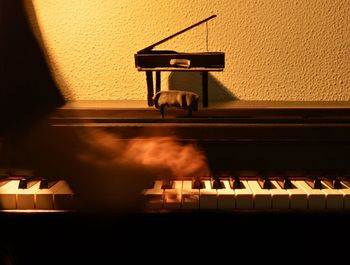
(275, 50)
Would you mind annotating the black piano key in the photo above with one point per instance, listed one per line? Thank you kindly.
(216, 183)
(46, 184)
(346, 181)
(236, 183)
(197, 184)
(314, 183)
(23, 183)
(150, 185)
(265, 183)
(334, 182)
(285, 183)
(337, 184)
(167, 184)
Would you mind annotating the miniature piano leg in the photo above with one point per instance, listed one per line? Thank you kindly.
(205, 88)
(149, 79)
(157, 81)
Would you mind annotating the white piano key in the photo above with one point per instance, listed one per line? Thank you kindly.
(44, 198)
(316, 198)
(244, 197)
(63, 196)
(280, 197)
(226, 196)
(346, 191)
(26, 197)
(3, 181)
(262, 197)
(172, 197)
(190, 197)
(154, 198)
(298, 197)
(8, 198)
(334, 197)
(208, 196)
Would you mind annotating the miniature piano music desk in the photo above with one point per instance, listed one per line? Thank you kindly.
(149, 61)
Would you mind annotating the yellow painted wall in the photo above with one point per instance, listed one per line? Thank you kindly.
(275, 49)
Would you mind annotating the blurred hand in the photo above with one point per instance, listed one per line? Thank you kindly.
(105, 171)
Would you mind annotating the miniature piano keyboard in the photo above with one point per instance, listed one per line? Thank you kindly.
(35, 195)
(249, 193)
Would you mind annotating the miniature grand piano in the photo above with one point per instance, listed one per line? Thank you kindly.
(161, 60)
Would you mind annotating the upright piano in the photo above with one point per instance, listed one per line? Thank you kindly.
(279, 172)
(274, 155)
(149, 60)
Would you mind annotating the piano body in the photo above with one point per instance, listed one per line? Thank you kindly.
(280, 174)
(149, 60)
(267, 153)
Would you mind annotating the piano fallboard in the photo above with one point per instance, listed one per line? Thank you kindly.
(238, 137)
(213, 61)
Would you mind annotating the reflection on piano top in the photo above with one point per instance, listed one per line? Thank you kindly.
(228, 109)
(234, 104)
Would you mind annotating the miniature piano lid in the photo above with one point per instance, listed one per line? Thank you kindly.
(147, 49)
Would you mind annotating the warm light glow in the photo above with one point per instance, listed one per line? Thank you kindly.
(275, 50)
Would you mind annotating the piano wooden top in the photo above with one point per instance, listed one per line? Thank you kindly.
(234, 104)
(228, 109)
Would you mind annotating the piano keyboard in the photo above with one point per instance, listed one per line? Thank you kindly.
(35, 195)
(228, 194)
(22, 194)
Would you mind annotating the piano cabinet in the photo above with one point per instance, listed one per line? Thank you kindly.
(246, 141)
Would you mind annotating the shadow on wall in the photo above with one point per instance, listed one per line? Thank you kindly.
(192, 81)
(27, 89)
